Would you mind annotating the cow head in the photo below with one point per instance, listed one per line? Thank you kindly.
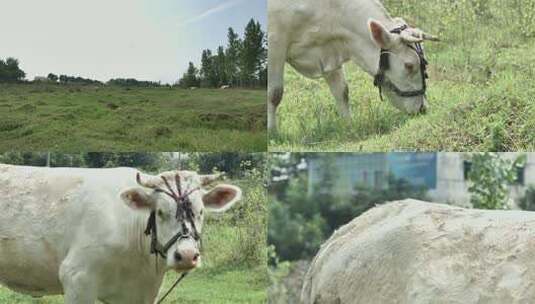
(177, 201)
(402, 66)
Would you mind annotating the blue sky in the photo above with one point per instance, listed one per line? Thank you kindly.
(102, 39)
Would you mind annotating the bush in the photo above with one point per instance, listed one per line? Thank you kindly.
(490, 176)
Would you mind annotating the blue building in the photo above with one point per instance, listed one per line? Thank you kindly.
(372, 170)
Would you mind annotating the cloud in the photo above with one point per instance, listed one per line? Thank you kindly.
(213, 10)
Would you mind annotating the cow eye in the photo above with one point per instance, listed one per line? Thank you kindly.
(409, 67)
(160, 213)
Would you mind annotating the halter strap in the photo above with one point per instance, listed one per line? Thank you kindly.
(184, 207)
(380, 79)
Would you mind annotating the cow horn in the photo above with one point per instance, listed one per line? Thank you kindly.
(414, 35)
(148, 181)
(431, 37)
(210, 178)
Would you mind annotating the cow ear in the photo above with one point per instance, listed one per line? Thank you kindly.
(380, 35)
(138, 199)
(221, 197)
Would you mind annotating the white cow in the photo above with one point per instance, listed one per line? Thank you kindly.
(317, 37)
(225, 87)
(417, 252)
(85, 233)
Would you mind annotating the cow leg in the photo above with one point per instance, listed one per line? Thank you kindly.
(276, 63)
(338, 86)
(78, 286)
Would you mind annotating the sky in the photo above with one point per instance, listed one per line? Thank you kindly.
(103, 39)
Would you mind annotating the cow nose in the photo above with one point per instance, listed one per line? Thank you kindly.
(188, 258)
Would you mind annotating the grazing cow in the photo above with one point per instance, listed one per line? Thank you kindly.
(224, 87)
(193, 88)
(416, 252)
(106, 234)
(318, 37)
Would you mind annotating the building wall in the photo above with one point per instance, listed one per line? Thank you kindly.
(453, 188)
(348, 171)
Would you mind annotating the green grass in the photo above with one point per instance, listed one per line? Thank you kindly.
(481, 93)
(223, 278)
(203, 286)
(90, 118)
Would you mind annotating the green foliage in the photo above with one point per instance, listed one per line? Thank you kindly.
(65, 79)
(190, 78)
(299, 222)
(527, 202)
(253, 53)
(37, 117)
(480, 93)
(490, 176)
(235, 165)
(10, 71)
(131, 82)
(242, 63)
(232, 57)
(53, 77)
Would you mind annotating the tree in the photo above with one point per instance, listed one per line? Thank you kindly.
(253, 53)
(10, 71)
(241, 63)
(190, 78)
(490, 176)
(232, 57)
(53, 77)
(220, 66)
(208, 72)
(232, 163)
(147, 161)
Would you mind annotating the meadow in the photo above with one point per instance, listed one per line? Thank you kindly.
(37, 117)
(481, 90)
(234, 252)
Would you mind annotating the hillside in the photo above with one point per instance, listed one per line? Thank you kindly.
(107, 118)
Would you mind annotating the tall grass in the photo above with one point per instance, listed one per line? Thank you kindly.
(481, 91)
(92, 118)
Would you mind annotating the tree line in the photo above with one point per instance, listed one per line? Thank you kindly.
(242, 63)
(10, 72)
(234, 164)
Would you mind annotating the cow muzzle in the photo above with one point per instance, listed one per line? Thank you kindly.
(186, 259)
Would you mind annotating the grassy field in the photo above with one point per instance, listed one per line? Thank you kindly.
(41, 117)
(481, 88)
(234, 258)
